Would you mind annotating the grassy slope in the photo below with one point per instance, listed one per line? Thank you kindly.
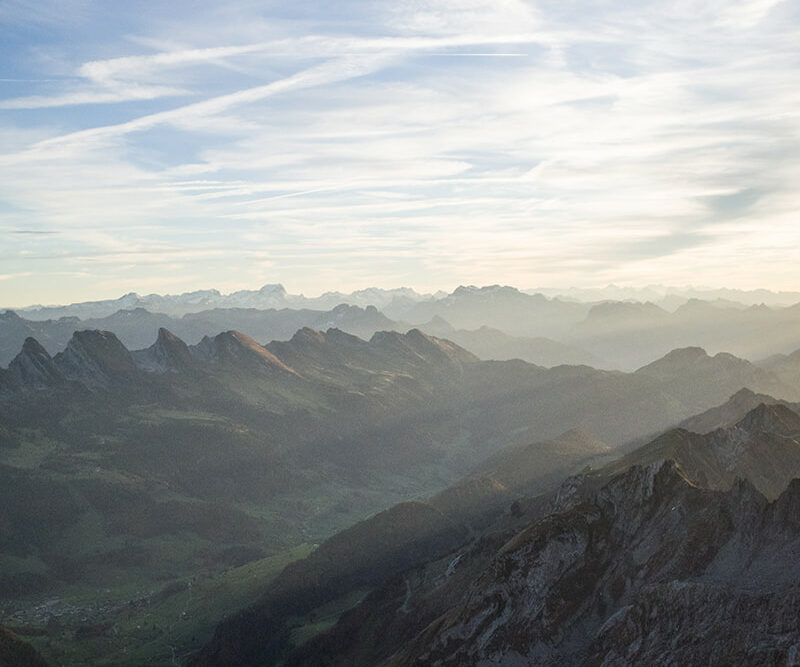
(107, 582)
(127, 626)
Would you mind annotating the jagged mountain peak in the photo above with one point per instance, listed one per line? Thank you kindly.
(308, 336)
(729, 413)
(545, 592)
(166, 336)
(742, 396)
(94, 338)
(761, 446)
(386, 337)
(104, 346)
(338, 337)
(353, 319)
(95, 358)
(775, 418)
(642, 482)
(579, 436)
(471, 290)
(438, 322)
(418, 336)
(236, 348)
(168, 354)
(273, 288)
(684, 357)
(422, 345)
(33, 347)
(344, 309)
(33, 367)
(684, 364)
(745, 498)
(625, 309)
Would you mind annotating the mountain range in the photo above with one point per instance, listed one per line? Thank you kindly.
(494, 322)
(397, 300)
(397, 471)
(670, 555)
(267, 297)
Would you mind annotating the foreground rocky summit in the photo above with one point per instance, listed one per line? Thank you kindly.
(650, 570)
(669, 555)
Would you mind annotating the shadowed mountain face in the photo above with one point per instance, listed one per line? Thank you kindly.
(356, 559)
(400, 401)
(638, 562)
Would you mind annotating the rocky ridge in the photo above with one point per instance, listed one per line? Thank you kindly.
(630, 564)
(649, 569)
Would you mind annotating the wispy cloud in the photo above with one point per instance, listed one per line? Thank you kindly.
(116, 93)
(425, 142)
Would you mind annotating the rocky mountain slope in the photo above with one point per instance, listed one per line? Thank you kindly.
(762, 447)
(640, 561)
(612, 580)
(574, 576)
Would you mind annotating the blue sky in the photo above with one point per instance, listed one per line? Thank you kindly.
(164, 147)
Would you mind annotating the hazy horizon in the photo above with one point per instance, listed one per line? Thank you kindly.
(609, 292)
(161, 148)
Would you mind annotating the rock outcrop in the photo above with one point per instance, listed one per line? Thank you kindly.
(168, 354)
(647, 569)
(34, 368)
(96, 359)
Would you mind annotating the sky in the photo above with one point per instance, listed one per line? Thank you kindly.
(164, 147)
